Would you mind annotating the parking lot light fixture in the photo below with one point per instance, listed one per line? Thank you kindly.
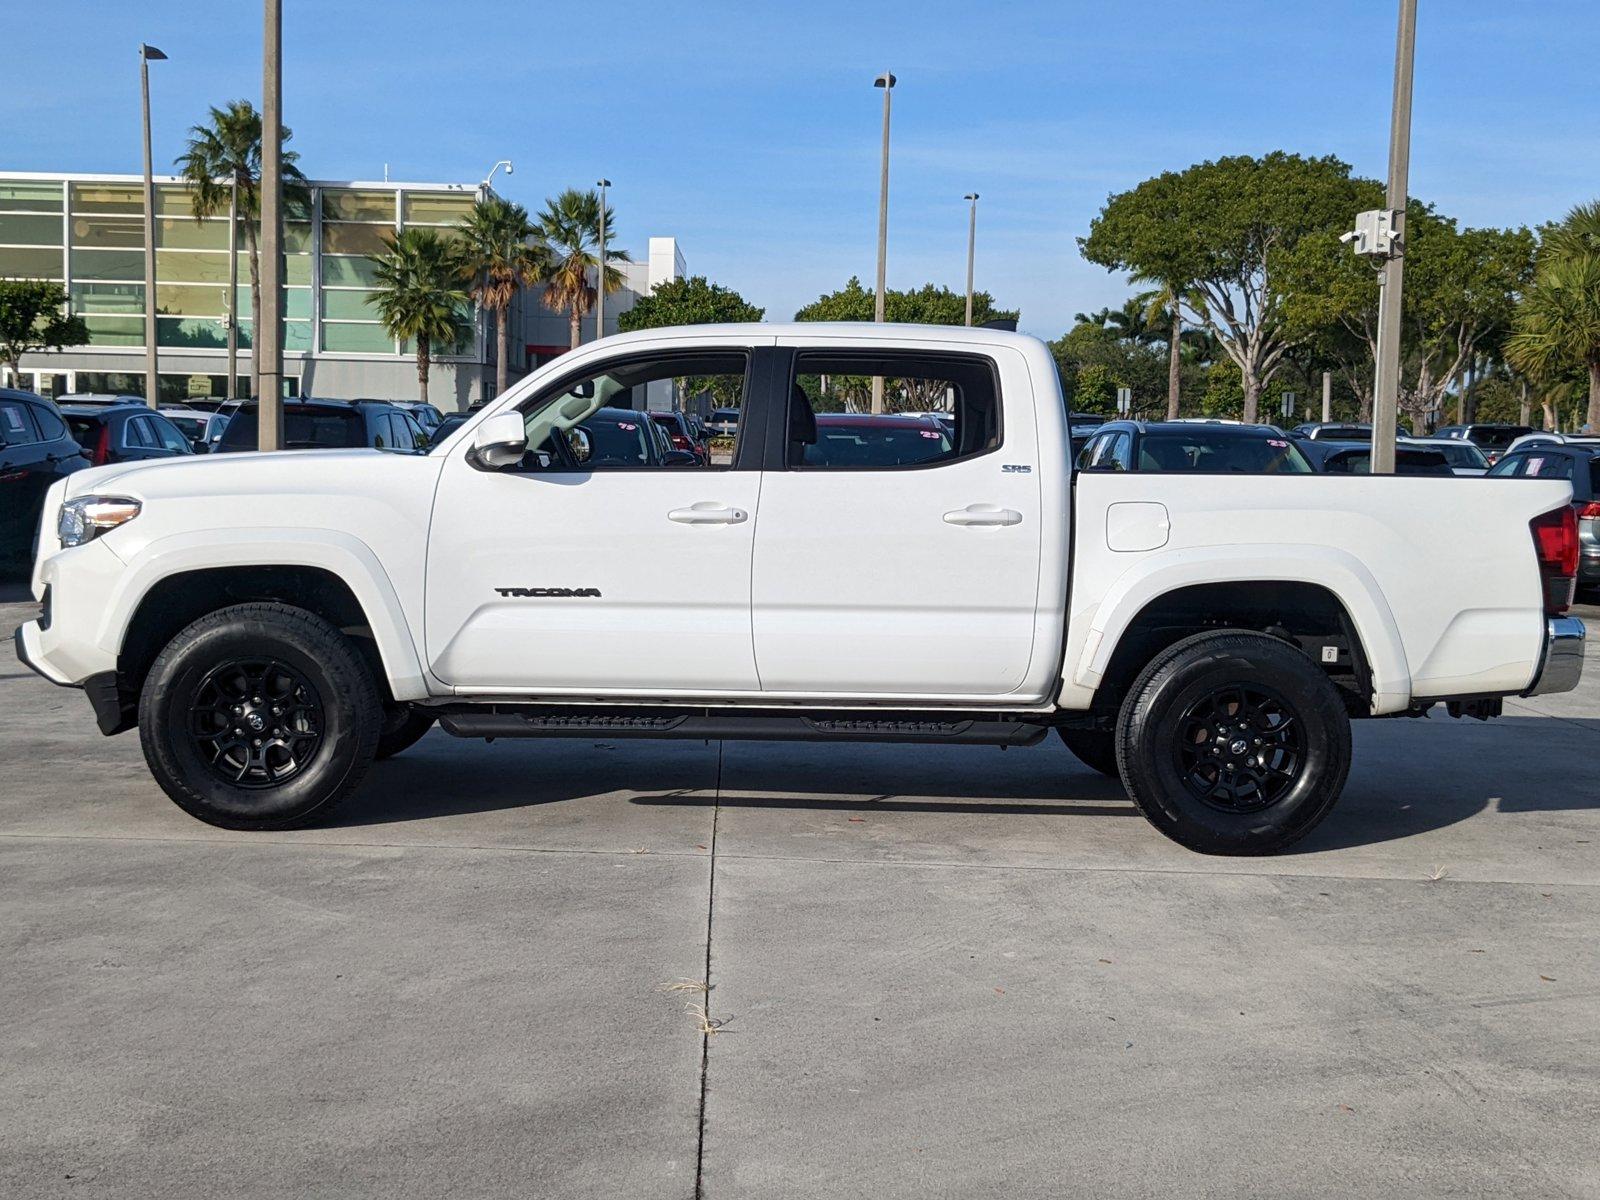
(152, 374)
(972, 241)
(886, 81)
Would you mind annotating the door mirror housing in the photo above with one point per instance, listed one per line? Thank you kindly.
(578, 441)
(499, 442)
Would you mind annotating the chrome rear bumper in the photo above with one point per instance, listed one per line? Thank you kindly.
(1561, 665)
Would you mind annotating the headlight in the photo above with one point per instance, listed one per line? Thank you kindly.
(86, 518)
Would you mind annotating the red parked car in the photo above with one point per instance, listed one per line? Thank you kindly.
(681, 433)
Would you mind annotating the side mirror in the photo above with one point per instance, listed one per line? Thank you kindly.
(578, 441)
(679, 458)
(200, 447)
(501, 441)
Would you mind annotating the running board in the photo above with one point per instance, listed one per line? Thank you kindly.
(717, 726)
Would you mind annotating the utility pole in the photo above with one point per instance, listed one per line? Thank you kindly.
(233, 291)
(268, 338)
(972, 243)
(600, 289)
(885, 81)
(1386, 394)
(1327, 396)
(152, 372)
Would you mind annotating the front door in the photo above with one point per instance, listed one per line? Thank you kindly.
(601, 565)
(897, 554)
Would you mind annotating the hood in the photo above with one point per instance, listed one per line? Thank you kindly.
(226, 474)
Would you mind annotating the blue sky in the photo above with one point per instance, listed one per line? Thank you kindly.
(750, 130)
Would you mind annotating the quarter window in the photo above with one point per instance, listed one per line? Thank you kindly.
(16, 429)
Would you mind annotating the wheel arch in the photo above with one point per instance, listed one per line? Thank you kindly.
(180, 579)
(1293, 594)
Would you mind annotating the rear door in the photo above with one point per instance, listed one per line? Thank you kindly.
(605, 575)
(907, 577)
(25, 474)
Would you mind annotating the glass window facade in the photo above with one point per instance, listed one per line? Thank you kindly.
(88, 234)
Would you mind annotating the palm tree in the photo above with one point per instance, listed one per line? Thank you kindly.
(419, 295)
(1557, 326)
(502, 255)
(226, 154)
(571, 225)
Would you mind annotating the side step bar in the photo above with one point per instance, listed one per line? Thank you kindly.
(719, 725)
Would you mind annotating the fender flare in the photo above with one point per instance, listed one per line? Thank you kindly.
(340, 554)
(1341, 573)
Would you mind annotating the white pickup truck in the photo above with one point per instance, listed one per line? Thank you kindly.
(272, 622)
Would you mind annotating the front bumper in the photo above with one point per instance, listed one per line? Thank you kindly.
(1561, 663)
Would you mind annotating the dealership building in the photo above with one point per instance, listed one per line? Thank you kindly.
(86, 232)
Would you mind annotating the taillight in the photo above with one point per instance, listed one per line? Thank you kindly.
(1589, 511)
(102, 446)
(1555, 543)
(679, 442)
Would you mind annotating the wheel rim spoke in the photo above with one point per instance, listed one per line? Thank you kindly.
(255, 722)
(1239, 748)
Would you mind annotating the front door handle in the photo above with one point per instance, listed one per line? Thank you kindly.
(983, 514)
(708, 512)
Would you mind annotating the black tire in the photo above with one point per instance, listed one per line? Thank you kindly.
(403, 726)
(1095, 748)
(314, 701)
(1233, 743)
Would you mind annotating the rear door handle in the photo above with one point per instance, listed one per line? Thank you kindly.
(983, 514)
(708, 512)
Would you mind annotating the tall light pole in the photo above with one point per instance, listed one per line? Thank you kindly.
(152, 373)
(233, 290)
(885, 81)
(972, 244)
(600, 282)
(1386, 393)
(268, 337)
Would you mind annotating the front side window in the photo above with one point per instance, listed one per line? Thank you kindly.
(937, 409)
(169, 435)
(600, 422)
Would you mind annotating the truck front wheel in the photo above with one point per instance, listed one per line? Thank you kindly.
(259, 716)
(1233, 742)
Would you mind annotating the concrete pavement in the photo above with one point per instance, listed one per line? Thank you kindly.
(946, 972)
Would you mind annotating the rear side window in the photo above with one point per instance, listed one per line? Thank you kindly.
(16, 424)
(50, 425)
(937, 409)
(1548, 466)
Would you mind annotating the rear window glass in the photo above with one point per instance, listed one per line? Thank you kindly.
(303, 429)
(193, 427)
(1496, 437)
(1220, 453)
(1461, 454)
(84, 429)
(617, 442)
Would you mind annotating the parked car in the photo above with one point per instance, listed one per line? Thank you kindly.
(1545, 437)
(680, 432)
(84, 399)
(615, 438)
(36, 449)
(329, 424)
(446, 427)
(203, 429)
(116, 433)
(1197, 446)
(425, 415)
(875, 442)
(1579, 465)
(1334, 431)
(1464, 457)
(1492, 439)
(723, 422)
(1206, 638)
(1355, 458)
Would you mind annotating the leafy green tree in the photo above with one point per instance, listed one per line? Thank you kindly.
(570, 223)
(927, 305)
(1557, 327)
(419, 296)
(222, 155)
(502, 254)
(1213, 236)
(691, 301)
(1094, 361)
(34, 316)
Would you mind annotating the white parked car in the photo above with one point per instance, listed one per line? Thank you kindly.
(271, 622)
(1464, 457)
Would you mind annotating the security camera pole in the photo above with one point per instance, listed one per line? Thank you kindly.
(886, 82)
(152, 371)
(269, 349)
(972, 242)
(1386, 393)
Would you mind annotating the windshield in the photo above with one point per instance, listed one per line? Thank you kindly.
(303, 429)
(1212, 451)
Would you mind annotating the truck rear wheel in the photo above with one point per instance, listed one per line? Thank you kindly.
(1233, 742)
(1094, 748)
(259, 716)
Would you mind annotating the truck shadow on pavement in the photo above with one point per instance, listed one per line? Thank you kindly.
(1408, 778)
